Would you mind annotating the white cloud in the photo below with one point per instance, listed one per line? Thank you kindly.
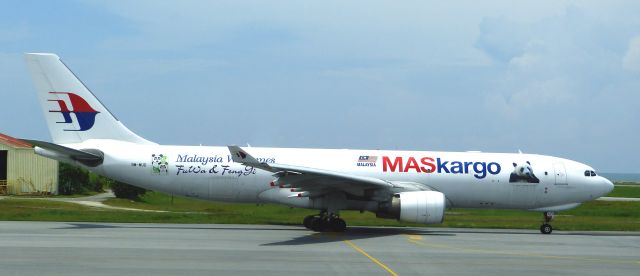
(552, 63)
(420, 32)
(631, 59)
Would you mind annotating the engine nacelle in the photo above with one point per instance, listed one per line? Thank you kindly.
(420, 207)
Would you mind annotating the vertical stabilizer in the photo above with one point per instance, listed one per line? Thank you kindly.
(72, 112)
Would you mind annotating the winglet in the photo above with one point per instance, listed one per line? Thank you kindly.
(239, 155)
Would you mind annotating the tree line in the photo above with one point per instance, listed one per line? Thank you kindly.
(74, 180)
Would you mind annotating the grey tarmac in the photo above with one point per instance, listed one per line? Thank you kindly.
(68, 248)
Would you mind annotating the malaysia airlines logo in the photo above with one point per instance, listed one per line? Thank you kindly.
(84, 113)
(241, 155)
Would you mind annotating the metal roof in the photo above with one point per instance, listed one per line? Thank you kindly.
(13, 142)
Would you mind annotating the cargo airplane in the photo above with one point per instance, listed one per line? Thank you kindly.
(410, 186)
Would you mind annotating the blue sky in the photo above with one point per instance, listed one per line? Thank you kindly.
(551, 77)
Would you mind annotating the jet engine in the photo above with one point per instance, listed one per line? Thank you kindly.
(420, 207)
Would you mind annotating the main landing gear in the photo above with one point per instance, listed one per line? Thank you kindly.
(325, 222)
(546, 228)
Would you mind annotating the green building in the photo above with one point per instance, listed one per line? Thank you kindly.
(24, 172)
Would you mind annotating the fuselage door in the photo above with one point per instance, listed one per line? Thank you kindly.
(560, 173)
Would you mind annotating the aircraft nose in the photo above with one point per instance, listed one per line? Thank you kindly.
(607, 186)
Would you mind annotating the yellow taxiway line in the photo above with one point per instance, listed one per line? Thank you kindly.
(385, 267)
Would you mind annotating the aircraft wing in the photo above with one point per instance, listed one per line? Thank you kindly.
(310, 181)
(90, 158)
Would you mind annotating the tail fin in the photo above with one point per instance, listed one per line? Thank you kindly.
(72, 112)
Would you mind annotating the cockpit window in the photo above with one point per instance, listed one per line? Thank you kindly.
(589, 173)
(593, 173)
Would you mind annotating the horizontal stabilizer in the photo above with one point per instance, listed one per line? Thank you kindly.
(88, 157)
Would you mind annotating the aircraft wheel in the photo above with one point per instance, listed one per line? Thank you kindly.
(307, 221)
(338, 225)
(318, 224)
(546, 228)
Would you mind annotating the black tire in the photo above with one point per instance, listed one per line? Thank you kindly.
(546, 229)
(307, 221)
(338, 225)
(317, 224)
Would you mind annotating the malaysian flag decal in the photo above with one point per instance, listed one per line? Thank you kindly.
(367, 161)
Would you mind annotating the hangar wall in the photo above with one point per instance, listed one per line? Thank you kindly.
(26, 172)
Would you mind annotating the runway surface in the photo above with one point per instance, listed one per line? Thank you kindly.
(58, 248)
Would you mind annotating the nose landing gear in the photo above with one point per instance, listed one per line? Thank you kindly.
(325, 222)
(546, 228)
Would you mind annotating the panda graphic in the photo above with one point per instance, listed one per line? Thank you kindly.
(159, 164)
(523, 173)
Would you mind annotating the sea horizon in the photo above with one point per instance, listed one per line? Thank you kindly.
(622, 177)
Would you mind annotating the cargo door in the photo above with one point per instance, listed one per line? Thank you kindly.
(524, 188)
(560, 173)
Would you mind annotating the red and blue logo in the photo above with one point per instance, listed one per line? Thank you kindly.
(84, 113)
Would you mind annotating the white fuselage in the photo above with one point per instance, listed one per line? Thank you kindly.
(467, 179)
(411, 186)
